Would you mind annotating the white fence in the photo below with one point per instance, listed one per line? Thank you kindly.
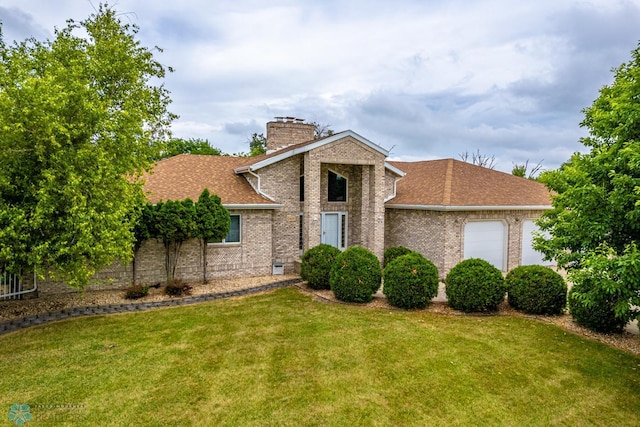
(11, 286)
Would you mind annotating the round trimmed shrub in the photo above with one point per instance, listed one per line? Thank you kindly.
(316, 265)
(355, 275)
(392, 253)
(475, 285)
(410, 281)
(535, 289)
(599, 316)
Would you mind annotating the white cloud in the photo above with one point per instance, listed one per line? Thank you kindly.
(431, 79)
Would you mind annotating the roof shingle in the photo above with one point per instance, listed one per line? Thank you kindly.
(451, 182)
(187, 175)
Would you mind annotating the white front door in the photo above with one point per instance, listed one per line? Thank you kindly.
(334, 229)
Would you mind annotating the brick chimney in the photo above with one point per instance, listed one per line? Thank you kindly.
(286, 131)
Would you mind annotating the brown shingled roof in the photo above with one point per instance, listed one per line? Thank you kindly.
(450, 182)
(186, 175)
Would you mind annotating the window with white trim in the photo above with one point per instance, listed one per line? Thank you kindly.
(233, 236)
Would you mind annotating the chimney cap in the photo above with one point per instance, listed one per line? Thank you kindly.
(288, 119)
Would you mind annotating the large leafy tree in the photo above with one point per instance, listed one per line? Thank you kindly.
(594, 226)
(81, 118)
(257, 144)
(177, 146)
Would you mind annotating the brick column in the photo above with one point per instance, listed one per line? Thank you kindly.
(365, 206)
(377, 191)
(311, 223)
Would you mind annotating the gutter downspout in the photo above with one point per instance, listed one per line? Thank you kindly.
(395, 185)
(258, 189)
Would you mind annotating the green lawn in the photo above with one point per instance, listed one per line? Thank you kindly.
(283, 359)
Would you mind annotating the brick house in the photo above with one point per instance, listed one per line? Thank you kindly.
(343, 191)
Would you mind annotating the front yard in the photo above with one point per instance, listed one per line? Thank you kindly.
(283, 358)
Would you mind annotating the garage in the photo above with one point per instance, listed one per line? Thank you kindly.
(529, 255)
(486, 240)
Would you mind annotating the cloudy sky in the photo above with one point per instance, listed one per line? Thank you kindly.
(424, 78)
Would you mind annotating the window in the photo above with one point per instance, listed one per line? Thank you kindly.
(301, 234)
(234, 231)
(337, 187)
(302, 188)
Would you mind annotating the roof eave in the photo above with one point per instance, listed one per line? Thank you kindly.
(251, 206)
(394, 169)
(290, 153)
(444, 208)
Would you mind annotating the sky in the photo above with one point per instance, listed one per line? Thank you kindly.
(424, 79)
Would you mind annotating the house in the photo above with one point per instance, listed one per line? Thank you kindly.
(342, 190)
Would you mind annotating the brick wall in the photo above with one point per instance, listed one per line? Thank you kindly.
(439, 236)
(367, 187)
(364, 168)
(420, 231)
(251, 257)
(282, 181)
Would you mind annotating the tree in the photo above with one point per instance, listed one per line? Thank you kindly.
(257, 144)
(522, 170)
(594, 225)
(82, 118)
(144, 229)
(321, 130)
(478, 159)
(175, 223)
(213, 223)
(189, 146)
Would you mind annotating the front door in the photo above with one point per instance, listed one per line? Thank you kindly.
(334, 229)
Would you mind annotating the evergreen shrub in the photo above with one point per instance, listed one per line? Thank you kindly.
(410, 281)
(535, 289)
(474, 285)
(316, 265)
(392, 253)
(355, 275)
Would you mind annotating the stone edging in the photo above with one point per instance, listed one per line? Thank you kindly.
(67, 313)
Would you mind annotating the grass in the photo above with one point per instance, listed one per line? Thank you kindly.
(283, 359)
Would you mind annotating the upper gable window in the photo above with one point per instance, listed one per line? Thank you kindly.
(337, 187)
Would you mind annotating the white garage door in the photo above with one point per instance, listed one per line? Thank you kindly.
(529, 255)
(486, 240)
